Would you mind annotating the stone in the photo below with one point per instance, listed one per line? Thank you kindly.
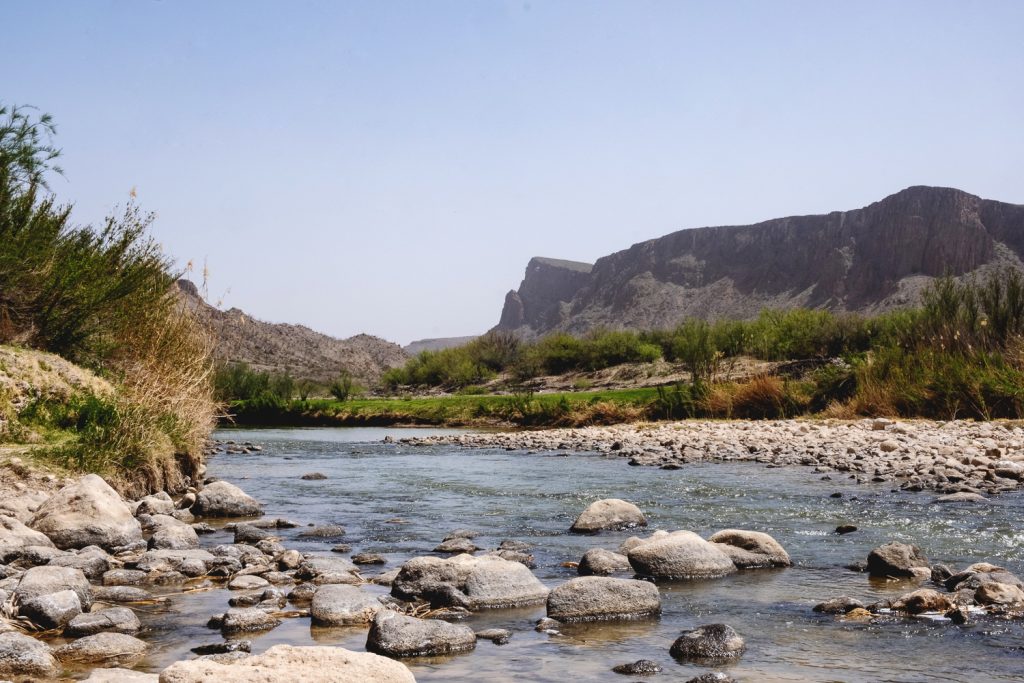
(680, 555)
(155, 505)
(840, 605)
(87, 512)
(923, 600)
(121, 594)
(498, 636)
(224, 648)
(368, 559)
(247, 582)
(302, 593)
(843, 529)
(23, 657)
(15, 537)
(323, 570)
(169, 533)
(341, 605)
(468, 581)
(599, 598)
(104, 649)
(601, 562)
(897, 560)
(53, 610)
(247, 533)
(456, 545)
(314, 476)
(995, 593)
(709, 643)
(641, 667)
(290, 559)
(460, 533)
(115, 619)
(246, 620)
(610, 513)
(325, 531)
(396, 635)
(713, 677)
(40, 581)
(290, 663)
(961, 497)
(751, 549)
(221, 499)
(93, 566)
(117, 675)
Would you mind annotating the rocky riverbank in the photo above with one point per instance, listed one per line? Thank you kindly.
(962, 459)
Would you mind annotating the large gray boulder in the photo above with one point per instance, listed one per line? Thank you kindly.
(47, 580)
(396, 635)
(52, 611)
(601, 562)
(103, 649)
(290, 663)
(221, 499)
(341, 605)
(115, 619)
(328, 570)
(23, 657)
(680, 555)
(15, 537)
(751, 549)
(712, 643)
(898, 560)
(610, 513)
(247, 620)
(87, 512)
(597, 598)
(468, 581)
(169, 533)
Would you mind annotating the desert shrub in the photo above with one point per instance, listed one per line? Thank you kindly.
(344, 387)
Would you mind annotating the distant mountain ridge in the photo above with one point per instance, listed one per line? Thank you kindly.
(295, 349)
(866, 260)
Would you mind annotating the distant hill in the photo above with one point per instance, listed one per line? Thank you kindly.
(296, 349)
(866, 260)
(413, 348)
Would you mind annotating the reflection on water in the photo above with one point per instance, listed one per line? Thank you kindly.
(400, 501)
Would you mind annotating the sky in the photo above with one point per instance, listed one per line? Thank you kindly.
(390, 167)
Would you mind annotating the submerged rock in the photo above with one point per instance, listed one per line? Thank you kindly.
(498, 636)
(397, 635)
(641, 667)
(923, 600)
(87, 512)
(751, 549)
(840, 605)
(340, 605)
(709, 643)
(246, 620)
(898, 560)
(680, 555)
(115, 619)
(468, 581)
(290, 663)
(595, 598)
(107, 649)
(601, 562)
(610, 513)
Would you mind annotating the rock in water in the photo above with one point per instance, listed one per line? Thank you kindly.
(397, 635)
(709, 643)
(341, 605)
(610, 513)
(116, 619)
(290, 663)
(923, 600)
(23, 657)
(596, 598)
(221, 499)
(751, 549)
(247, 620)
(87, 512)
(109, 649)
(171, 534)
(641, 667)
(840, 605)
(15, 537)
(680, 555)
(40, 581)
(898, 560)
(53, 610)
(468, 581)
(601, 562)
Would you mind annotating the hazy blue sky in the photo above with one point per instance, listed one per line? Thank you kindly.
(390, 167)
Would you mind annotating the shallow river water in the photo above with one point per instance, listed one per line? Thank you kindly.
(535, 497)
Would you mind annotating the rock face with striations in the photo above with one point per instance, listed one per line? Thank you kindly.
(871, 259)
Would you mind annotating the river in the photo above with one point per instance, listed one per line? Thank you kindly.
(400, 501)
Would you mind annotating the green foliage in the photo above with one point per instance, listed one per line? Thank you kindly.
(239, 382)
(344, 387)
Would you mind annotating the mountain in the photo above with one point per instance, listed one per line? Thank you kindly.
(867, 260)
(296, 349)
(437, 344)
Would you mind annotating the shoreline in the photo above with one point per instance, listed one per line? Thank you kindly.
(962, 459)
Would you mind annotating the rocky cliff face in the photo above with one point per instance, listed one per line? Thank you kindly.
(868, 260)
(296, 349)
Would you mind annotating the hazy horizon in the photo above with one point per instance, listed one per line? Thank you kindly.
(391, 168)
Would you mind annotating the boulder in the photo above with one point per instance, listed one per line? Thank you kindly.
(340, 605)
(396, 635)
(117, 675)
(53, 610)
(23, 657)
(641, 667)
(709, 643)
(326, 570)
(456, 545)
(171, 534)
(325, 531)
(598, 598)
(498, 636)
(221, 499)
(121, 594)
(290, 559)
(290, 663)
(601, 562)
(40, 581)
(247, 582)
(680, 555)
(15, 537)
(87, 512)
(751, 549)
(103, 649)
(123, 577)
(247, 620)
(159, 504)
(923, 600)
(115, 619)
(840, 605)
(996, 593)
(468, 581)
(610, 513)
(898, 560)
(93, 566)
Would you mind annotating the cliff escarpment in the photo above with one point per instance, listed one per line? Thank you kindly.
(865, 260)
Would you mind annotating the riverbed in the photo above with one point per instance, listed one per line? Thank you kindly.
(399, 500)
